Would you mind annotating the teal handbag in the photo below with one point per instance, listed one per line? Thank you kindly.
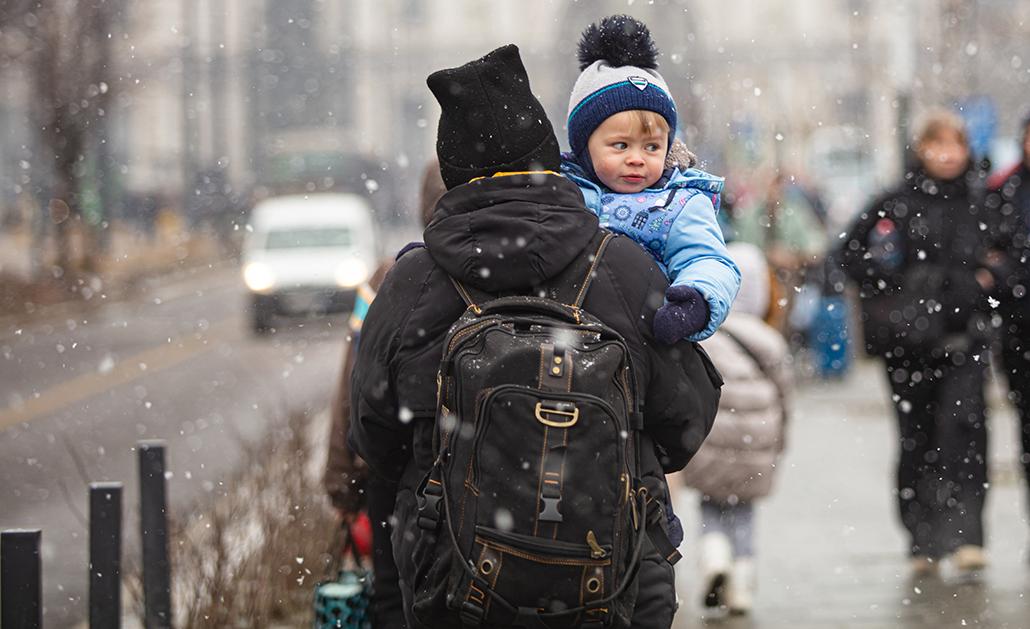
(346, 601)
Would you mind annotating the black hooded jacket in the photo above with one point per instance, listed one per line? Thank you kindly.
(1008, 208)
(914, 253)
(507, 235)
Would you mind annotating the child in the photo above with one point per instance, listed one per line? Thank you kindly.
(622, 122)
(737, 462)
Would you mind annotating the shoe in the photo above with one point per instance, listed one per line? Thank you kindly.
(716, 561)
(923, 566)
(969, 558)
(740, 592)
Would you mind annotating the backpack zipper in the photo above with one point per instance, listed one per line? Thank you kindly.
(549, 550)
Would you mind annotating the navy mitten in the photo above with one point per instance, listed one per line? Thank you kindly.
(686, 313)
(672, 521)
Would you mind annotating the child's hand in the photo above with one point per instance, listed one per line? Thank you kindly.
(684, 315)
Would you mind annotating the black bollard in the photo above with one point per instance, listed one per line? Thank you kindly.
(105, 555)
(153, 517)
(21, 579)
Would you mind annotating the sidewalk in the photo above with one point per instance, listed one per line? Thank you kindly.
(831, 553)
(130, 258)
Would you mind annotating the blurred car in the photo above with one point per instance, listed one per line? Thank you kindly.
(307, 254)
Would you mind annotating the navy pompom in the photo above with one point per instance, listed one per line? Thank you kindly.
(619, 40)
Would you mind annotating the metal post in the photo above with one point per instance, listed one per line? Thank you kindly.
(154, 534)
(21, 579)
(105, 555)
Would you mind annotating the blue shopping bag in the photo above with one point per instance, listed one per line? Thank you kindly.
(345, 602)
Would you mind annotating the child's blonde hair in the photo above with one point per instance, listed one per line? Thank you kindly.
(649, 121)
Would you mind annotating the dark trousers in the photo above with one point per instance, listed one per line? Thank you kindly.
(387, 606)
(1015, 359)
(942, 463)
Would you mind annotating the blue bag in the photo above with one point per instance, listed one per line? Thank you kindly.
(346, 601)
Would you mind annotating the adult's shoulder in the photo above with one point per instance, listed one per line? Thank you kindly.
(628, 288)
(625, 258)
(416, 298)
(886, 202)
(414, 264)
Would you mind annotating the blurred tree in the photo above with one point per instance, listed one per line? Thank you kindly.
(66, 47)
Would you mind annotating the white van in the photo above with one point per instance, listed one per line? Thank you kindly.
(307, 254)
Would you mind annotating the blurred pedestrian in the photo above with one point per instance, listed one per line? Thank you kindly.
(737, 463)
(787, 228)
(509, 224)
(347, 480)
(916, 255)
(784, 224)
(1008, 206)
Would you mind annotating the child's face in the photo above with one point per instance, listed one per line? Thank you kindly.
(626, 157)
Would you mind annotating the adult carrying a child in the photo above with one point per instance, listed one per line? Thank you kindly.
(510, 227)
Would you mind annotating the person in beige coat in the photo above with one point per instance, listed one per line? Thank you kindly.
(737, 463)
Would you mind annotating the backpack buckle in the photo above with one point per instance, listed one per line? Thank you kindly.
(471, 615)
(429, 510)
(550, 512)
(566, 410)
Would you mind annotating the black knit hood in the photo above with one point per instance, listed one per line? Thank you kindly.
(509, 233)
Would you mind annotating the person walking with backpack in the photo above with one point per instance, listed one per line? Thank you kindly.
(509, 381)
(737, 464)
(916, 254)
(1008, 207)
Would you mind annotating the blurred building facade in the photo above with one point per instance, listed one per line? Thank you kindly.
(273, 95)
(219, 98)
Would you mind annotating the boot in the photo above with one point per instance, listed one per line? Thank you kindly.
(740, 592)
(716, 561)
(923, 566)
(969, 558)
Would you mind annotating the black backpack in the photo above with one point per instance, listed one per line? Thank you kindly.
(533, 514)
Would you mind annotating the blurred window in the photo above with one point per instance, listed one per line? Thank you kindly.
(299, 80)
(414, 11)
(308, 238)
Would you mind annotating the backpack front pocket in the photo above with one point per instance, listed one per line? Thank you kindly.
(545, 575)
(525, 439)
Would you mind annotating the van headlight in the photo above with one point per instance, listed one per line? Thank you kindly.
(258, 277)
(351, 273)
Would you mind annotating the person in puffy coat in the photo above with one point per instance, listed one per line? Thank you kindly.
(737, 463)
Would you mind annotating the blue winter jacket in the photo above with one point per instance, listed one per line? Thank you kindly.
(676, 222)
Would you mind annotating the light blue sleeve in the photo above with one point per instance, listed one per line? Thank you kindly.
(696, 256)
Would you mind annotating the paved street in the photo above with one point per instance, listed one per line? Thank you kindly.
(178, 364)
(831, 550)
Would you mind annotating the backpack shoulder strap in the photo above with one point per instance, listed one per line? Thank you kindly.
(471, 296)
(571, 285)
